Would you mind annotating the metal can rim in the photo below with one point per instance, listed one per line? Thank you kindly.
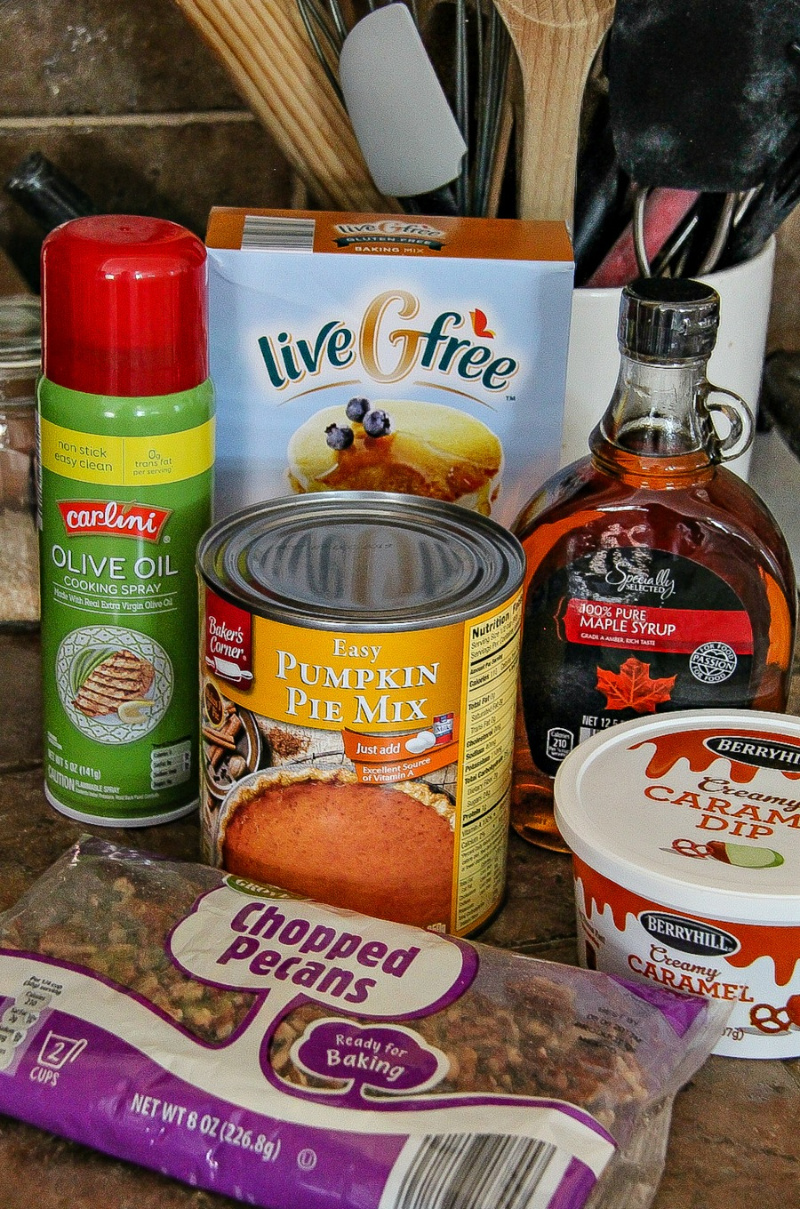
(498, 577)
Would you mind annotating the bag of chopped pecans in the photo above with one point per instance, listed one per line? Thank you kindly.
(298, 1056)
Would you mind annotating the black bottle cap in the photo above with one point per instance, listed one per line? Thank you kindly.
(669, 319)
(45, 193)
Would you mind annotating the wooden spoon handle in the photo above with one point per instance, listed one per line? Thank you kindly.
(265, 49)
(555, 58)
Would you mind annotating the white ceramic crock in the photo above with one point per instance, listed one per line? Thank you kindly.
(736, 364)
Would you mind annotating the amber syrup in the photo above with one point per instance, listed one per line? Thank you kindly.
(656, 579)
(682, 505)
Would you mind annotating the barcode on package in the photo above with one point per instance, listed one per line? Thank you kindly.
(484, 1171)
(270, 234)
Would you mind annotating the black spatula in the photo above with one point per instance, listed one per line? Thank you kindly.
(772, 205)
(704, 94)
(600, 193)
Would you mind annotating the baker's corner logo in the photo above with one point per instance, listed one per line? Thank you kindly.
(228, 640)
(110, 518)
(389, 348)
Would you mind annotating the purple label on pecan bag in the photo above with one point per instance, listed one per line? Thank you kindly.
(385, 1058)
(284, 949)
(680, 1010)
(108, 1094)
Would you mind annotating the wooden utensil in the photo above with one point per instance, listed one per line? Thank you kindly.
(556, 42)
(265, 49)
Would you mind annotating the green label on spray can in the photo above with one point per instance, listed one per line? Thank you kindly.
(125, 495)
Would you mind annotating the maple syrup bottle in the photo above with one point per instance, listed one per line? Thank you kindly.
(656, 580)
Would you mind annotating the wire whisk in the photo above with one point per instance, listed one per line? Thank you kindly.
(475, 79)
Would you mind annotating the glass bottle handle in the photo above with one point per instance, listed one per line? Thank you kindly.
(739, 416)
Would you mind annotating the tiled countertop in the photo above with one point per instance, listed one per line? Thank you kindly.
(734, 1137)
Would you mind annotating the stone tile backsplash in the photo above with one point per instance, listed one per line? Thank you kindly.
(126, 99)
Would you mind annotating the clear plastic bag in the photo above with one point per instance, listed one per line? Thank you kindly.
(295, 1055)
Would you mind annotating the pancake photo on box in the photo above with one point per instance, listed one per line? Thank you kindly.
(399, 445)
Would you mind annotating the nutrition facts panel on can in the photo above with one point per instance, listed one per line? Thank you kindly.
(489, 705)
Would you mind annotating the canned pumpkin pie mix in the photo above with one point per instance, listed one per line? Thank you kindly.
(359, 657)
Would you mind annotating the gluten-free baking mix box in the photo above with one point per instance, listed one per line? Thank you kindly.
(375, 352)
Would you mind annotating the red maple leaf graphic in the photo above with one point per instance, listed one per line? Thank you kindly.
(633, 688)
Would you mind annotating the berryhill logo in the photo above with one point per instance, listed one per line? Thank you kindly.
(111, 519)
(762, 753)
(688, 935)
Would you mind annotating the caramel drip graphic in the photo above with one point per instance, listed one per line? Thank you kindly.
(691, 746)
(782, 945)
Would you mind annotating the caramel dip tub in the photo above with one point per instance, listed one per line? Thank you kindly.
(685, 833)
(359, 655)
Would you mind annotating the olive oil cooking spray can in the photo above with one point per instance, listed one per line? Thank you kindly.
(126, 445)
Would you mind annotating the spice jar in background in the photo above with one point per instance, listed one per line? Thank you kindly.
(20, 355)
(126, 433)
(657, 580)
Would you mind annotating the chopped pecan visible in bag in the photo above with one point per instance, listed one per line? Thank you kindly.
(538, 1045)
(117, 926)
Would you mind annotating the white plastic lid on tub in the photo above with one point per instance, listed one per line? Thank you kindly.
(698, 810)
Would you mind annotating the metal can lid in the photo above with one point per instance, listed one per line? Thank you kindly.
(698, 810)
(670, 319)
(362, 561)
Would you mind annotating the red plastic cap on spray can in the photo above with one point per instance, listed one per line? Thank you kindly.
(124, 307)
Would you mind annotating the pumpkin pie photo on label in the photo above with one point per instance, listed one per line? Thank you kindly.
(319, 831)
